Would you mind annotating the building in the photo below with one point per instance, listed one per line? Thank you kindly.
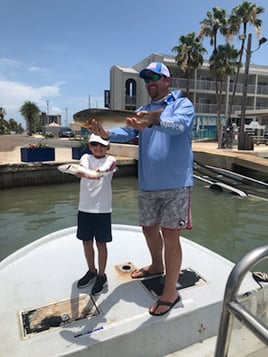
(47, 119)
(127, 91)
(50, 123)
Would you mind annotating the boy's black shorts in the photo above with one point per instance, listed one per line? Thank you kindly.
(94, 225)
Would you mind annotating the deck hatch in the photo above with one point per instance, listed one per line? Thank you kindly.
(57, 314)
(187, 278)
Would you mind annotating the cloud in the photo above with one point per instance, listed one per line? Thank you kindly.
(36, 69)
(14, 94)
(8, 67)
(55, 110)
(7, 62)
(20, 82)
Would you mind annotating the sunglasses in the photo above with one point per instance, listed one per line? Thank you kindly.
(97, 144)
(154, 77)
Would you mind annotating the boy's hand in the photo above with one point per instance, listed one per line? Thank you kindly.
(98, 129)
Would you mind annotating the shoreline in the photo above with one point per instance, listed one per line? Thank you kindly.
(14, 173)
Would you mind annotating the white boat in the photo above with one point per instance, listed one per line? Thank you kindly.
(230, 181)
(43, 313)
(217, 185)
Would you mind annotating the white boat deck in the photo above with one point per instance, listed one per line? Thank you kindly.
(46, 272)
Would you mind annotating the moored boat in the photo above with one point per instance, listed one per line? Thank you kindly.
(230, 181)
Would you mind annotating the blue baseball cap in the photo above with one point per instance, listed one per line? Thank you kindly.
(156, 67)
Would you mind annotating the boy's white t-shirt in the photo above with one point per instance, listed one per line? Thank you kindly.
(96, 194)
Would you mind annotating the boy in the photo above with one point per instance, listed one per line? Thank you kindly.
(94, 211)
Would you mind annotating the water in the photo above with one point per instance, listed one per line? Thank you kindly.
(228, 225)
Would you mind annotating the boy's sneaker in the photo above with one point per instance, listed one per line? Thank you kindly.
(99, 283)
(85, 280)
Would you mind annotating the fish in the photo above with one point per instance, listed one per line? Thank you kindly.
(74, 169)
(109, 118)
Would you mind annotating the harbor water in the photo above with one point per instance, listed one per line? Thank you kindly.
(222, 222)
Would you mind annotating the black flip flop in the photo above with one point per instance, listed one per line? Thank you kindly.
(164, 303)
(145, 274)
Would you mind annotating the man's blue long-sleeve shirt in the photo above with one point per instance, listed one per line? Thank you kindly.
(165, 150)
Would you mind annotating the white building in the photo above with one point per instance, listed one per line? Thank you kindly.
(127, 91)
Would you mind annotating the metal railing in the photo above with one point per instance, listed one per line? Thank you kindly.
(209, 85)
(232, 308)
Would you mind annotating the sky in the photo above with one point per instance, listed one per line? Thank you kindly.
(58, 54)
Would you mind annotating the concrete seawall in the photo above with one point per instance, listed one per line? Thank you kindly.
(32, 174)
(14, 173)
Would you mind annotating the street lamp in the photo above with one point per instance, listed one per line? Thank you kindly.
(66, 116)
(47, 101)
(242, 142)
(47, 116)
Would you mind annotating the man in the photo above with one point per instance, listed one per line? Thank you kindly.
(165, 177)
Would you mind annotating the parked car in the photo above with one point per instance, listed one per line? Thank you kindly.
(66, 132)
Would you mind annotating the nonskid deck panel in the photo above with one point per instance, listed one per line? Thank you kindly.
(60, 314)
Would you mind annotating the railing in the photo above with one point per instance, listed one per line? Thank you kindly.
(207, 85)
(232, 308)
(212, 108)
(262, 89)
(200, 108)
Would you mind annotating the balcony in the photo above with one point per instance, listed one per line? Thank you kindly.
(262, 90)
(209, 86)
(204, 108)
(203, 93)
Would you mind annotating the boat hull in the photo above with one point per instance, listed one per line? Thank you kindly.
(46, 272)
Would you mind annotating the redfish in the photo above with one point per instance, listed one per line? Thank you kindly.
(110, 118)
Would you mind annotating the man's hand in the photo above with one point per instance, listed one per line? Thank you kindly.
(134, 122)
(151, 118)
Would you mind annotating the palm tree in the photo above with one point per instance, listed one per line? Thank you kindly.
(243, 14)
(2, 113)
(223, 63)
(189, 55)
(30, 111)
(2, 121)
(215, 24)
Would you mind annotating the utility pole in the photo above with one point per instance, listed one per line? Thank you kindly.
(243, 143)
(47, 119)
(66, 116)
(242, 134)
